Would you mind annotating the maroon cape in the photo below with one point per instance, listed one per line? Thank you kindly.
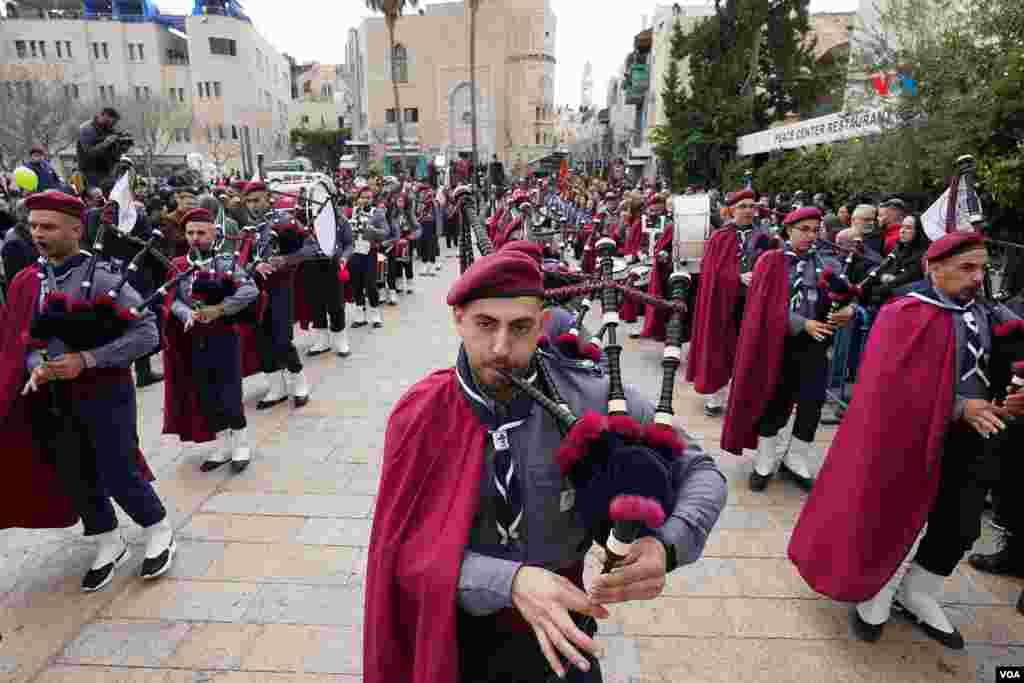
(433, 455)
(35, 498)
(760, 352)
(182, 415)
(880, 477)
(634, 238)
(713, 340)
(656, 319)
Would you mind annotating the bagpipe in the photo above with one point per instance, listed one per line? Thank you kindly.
(624, 472)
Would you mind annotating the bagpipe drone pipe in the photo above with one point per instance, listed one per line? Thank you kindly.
(624, 472)
(1006, 376)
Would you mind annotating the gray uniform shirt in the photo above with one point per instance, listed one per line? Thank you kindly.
(245, 293)
(551, 534)
(140, 336)
(804, 273)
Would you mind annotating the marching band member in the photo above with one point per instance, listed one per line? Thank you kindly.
(373, 229)
(489, 588)
(900, 497)
(655, 319)
(781, 360)
(428, 246)
(327, 293)
(276, 329)
(725, 274)
(409, 231)
(70, 432)
(203, 354)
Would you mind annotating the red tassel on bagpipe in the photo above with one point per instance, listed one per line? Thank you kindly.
(1009, 329)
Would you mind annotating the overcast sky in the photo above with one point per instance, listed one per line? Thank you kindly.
(601, 32)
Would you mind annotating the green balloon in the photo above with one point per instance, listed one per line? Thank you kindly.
(26, 179)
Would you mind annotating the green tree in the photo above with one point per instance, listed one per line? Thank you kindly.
(392, 11)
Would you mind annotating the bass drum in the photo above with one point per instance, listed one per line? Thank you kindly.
(691, 230)
(324, 226)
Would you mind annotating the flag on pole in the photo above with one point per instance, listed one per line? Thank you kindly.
(942, 218)
(122, 194)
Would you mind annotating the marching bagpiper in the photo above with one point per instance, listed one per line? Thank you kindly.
(203, 351)
(70, 432)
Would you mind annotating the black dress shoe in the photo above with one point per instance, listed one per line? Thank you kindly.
(715, 411)
(758, 482)
(635, 335)
(211, 465)
(263, 405)
(95, 579)
(377, 326)
(1003, 561)
(300, 401)
(154, 567)
(803, 482)
(869, 633)
(954, 641)
(359, 324)
(238, 466)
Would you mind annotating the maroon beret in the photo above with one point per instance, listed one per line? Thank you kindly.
(196, 216)
(255, 186)
(503, 274)
(736, 197)
(238, 184)
(525, 247)
(953, 244)
(802, 214)
(52, 200)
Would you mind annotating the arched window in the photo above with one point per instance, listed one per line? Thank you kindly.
(399, 64)
(325, 90)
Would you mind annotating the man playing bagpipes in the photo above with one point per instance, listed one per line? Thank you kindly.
(475, 559)
(429, 216)
(277, 279)
(655, 319)
(203, 352)
(408, 229)
(370, 229)
(900, 496)
(793, 307)
(726, 268)
(72, 329)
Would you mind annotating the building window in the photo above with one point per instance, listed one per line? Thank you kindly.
(223, 46)
(389, 116)
(19, 46)
(103, 93)
(209, 135)
(341, 122)
(234, 132)
(537, 137)
(181, 95)
(138, 92)
(142, 56)
(96, 50)
(67, 48)
(200, 87)
(32, 46)
(145, 91)
(170, 92)
(57, 43)
(400, 64)
(131, 52)
(42, 49)
(220, 132)
(216, 88)
(412, 115)
(71, 91)
(106, 53)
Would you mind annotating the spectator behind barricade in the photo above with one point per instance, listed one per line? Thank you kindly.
(861, 224)
(48, 178)
(905, 269)
(18, 250)
(891, 213)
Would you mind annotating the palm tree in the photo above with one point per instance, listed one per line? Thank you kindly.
(392, 10)
(473, 6)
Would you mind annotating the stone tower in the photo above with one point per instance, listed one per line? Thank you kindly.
(587, 93)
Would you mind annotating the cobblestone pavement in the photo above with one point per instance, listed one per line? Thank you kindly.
(267, 586)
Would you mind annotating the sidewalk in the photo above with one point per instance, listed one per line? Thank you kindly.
(267, 585)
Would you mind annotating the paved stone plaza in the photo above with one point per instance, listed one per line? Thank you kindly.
(267, 586)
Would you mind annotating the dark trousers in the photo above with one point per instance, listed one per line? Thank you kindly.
(804, 365)
(451, 233)
(325, 292)
(492, 652)
(363, 270)
(94, 444)
(275, 333)
(398, 267)
(427, 246)
(954, 523)
(217, 371)
(1009, 504)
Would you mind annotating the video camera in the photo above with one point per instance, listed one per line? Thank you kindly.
(124, 142)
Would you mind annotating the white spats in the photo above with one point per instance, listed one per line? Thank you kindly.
(877, 610)
(159, 537)
(610, 318)
(340, 342)
(359, 315)
(919, 594)
(222, 447)
(799, 459)
(109, 547)
(766, 459)
(299, 384)
(278, 388)
(321, 342)
(241, 451)
(375, 317)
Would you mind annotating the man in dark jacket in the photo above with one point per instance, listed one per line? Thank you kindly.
(48, 178)
(99, 147)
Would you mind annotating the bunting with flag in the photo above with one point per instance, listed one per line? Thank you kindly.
(946, 216)
(122, 194)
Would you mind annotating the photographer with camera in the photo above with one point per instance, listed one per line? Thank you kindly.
(100, 146)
